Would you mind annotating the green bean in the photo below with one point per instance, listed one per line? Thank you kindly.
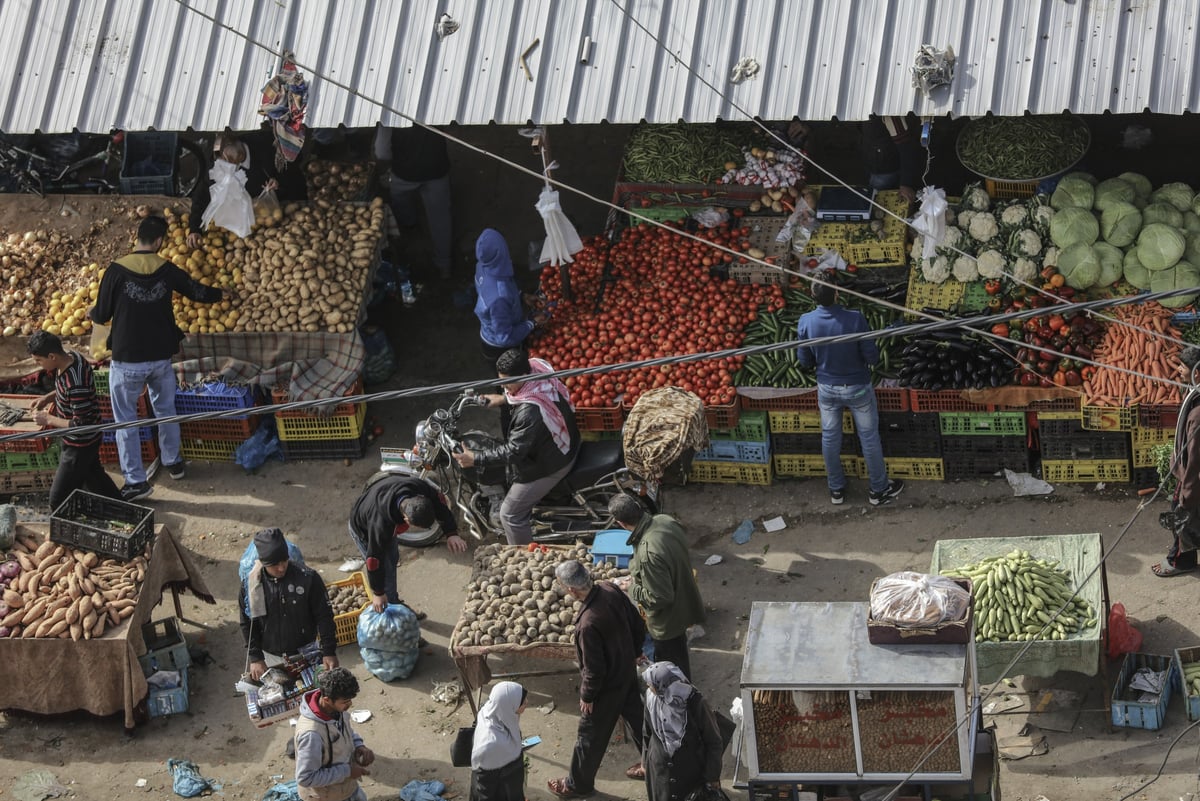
(1022, 148)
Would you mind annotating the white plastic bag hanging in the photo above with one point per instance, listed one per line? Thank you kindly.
(229, 204)
(930, 221)
(562, 241)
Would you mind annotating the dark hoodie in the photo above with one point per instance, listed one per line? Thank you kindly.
(502, 322)
(135, 294)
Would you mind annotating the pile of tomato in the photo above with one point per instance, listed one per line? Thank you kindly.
(665, 298)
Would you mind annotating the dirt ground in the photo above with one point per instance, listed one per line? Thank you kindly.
(825, 553)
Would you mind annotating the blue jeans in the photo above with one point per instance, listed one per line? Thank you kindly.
(390, 560)
(860, 400)
(126, 380)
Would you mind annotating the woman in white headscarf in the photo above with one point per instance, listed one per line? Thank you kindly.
(682, 743)
(497, 766)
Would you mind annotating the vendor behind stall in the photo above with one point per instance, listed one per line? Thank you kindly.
(226, 196)
(289, 608)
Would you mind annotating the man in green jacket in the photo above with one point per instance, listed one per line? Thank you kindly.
(661, 580)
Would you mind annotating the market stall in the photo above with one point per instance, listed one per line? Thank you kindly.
(851, 712)
(100, 675)
(1079, 555)
(514, 610)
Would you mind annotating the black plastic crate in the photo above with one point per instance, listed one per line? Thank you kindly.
(811, 444)
(1061, 427)
(325, 448)
(1086, 445)
(83, 521)
(1144, 478)
(148, 164)
(900, 424)
(983, 457)
(914, 445)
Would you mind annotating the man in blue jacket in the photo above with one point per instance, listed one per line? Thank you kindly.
(844, 382)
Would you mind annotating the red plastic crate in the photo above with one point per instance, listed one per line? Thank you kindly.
(108, 452)
(1158, 415)
(35, 445)
(603, 418)
(892, 399)
(106, 412)
(803, 402)
(723, 416)
(280, 395)
(235, 429)
(946, 400)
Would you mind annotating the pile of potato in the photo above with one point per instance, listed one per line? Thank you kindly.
(513, 598)
(66, 592)
(347, 598)
(49, 285)
(335, 180)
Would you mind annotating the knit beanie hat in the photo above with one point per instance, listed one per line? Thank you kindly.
(271, 546)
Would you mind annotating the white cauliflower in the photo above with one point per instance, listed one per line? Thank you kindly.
(965, 270)
(953, 237)
(1050, 257)
(983, 227)
(964, 218)
(1026, 243)
(1042, 217)
(990, 264)
(935, 270)
(1025, 270)
(1013, 216)
(976, 199)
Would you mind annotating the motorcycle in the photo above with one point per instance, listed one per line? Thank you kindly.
(80, 163)
(576, 509)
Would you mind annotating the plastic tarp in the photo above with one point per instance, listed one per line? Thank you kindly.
(1078, 553)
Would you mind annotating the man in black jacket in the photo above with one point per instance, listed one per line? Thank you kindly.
(892, 154)
(385, 510)
(542, 443)
(289, 607)
(609, 634)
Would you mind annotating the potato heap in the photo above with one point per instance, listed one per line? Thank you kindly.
(48, 284)
(513, 597)
(347, 598)
(333, 181)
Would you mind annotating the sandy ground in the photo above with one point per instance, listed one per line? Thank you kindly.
(826, 553)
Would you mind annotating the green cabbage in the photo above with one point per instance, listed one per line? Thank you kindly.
(1114, 190)
(1079, 265)
(1191, 221)
(1163, 213)
(1135, 274)
(1079, 175)
(1191, 250)
(1141, 184)
(1112, 263)
(1178, 194)
(1073, 193)
(1160, 246)
(1071, 225)
(1182, 276)
(1120, 224)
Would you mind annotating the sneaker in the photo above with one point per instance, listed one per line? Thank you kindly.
(836, 497)
(152, 469)
(176, 471)
(135, 492)
(894, 488)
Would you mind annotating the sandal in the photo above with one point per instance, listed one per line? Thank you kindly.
(563, 789)
(1166, 570)
(637, 771)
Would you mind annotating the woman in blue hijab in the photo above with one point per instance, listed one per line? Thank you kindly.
(503, 323)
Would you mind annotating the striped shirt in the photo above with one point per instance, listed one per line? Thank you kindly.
(75, 400)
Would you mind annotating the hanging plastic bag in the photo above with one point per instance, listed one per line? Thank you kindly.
(1123, 638)
(389, 641)
(229, 204)
(267, 211)
(931, 220)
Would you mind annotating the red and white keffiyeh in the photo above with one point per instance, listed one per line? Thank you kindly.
(546, 392)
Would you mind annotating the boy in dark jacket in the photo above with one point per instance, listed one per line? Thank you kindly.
(289, 607)
(384, 510)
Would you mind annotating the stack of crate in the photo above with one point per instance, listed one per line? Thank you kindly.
(912, 445)
(1073, 453)
(796, 444)
(981, 444)
(108, 443)
(166, 649)
(1143, 442)
(738, 454)
(26, 465)
(340, 435)
(215, 440)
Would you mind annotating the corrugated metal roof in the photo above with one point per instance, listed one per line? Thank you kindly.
(174, 64)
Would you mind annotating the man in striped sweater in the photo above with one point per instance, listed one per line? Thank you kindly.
(70, 405)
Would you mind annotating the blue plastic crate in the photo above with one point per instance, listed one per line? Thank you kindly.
(166, 648)
(169, 701)
(613, 547)
(145, 434)
(735, 451)
(148, 163)
(1143, 714)
(214, 396)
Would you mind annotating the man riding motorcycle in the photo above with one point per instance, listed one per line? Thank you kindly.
(542, 440)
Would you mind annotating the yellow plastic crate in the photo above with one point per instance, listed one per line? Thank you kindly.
(731, 473)
(812, 465)
(1109, 418)
(922, 294)
(346, 624)
(1009, 190)
(1085, 471)
(1148, 437)
(208, 450)
(805, 422)
(923, 469)
(336, 427)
